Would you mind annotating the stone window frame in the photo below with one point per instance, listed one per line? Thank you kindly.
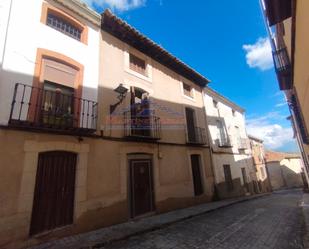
(48, 8)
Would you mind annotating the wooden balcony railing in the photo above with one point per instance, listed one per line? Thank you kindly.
(37, 108)
(143, 126)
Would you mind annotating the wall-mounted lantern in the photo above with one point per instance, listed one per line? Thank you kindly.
(122, 92)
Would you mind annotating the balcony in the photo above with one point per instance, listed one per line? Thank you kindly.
(223, 141)
(196, 135)
(242, 143)
(142, 127)
(39, 109)
(283, 68)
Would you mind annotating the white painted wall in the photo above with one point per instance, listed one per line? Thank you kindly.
(236, 158)
(236, 162)
(25, 34)
(224, 112)
(4, 16)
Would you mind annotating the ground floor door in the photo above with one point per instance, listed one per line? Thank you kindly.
(53, 202)
(244, 178)
(141, 187)
(196, 174)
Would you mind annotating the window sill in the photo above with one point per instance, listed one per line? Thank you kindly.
(189, 98)
(136, 74)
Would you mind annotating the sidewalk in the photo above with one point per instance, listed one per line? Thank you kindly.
(305, 207)
(100, 237)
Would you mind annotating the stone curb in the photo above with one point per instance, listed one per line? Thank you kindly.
(101, 237)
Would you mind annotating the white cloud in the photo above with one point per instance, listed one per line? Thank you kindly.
(281, 104)
(259, 55)
(266, 127)
(121, 5)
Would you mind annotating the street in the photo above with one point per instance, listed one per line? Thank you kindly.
(273, 221)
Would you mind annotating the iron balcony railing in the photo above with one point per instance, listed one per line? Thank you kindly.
(196, 136)
(223, 141)
(283, 68)
(37, 108)
(142, 126)
(242, 143)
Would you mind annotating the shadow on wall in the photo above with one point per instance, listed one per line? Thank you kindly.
(282, 177)
(58, 111)
(241, 186)
(221, 141)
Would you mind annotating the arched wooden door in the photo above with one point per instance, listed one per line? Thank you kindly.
(53, 202)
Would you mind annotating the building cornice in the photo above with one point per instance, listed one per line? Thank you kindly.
(82, 9)
(207, 90)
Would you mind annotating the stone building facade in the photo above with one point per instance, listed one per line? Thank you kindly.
(258, 154)
(285, 170)
(230, 148)
(95, 130)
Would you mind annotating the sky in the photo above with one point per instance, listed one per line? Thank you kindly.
(226, 41)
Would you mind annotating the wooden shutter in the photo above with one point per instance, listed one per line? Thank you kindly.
(53, 202)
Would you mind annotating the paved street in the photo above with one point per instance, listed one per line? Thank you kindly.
(273, 221)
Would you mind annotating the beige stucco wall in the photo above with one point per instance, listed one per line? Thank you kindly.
(101, 180)
(286, 173)
(163, 85)
(258, 156)
(301, 74)
(101, 194)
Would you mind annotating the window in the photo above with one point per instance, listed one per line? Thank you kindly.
(137, 64)
(233, 113)
(228, 177)
(215, 103)
(191, 129)
(64, 26)
(58, 104)
(187, 90)
(223, 139)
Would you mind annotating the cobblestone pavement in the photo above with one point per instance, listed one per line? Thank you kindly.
(273, 221)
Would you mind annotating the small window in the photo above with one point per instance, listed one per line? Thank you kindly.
(187, 90)
(215, 103)
(233, 113)
(137, 64)
(63, 26)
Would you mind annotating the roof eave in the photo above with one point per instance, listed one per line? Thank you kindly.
(123, 31)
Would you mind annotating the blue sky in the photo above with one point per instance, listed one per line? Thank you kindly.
(225, 41)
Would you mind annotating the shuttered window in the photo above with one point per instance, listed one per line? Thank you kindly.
(137, 64)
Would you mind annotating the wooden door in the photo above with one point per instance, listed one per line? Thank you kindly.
(53, 202)
(228, 177)
(196, 173)
(190, 124)
(141, 187)
(244, 178)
